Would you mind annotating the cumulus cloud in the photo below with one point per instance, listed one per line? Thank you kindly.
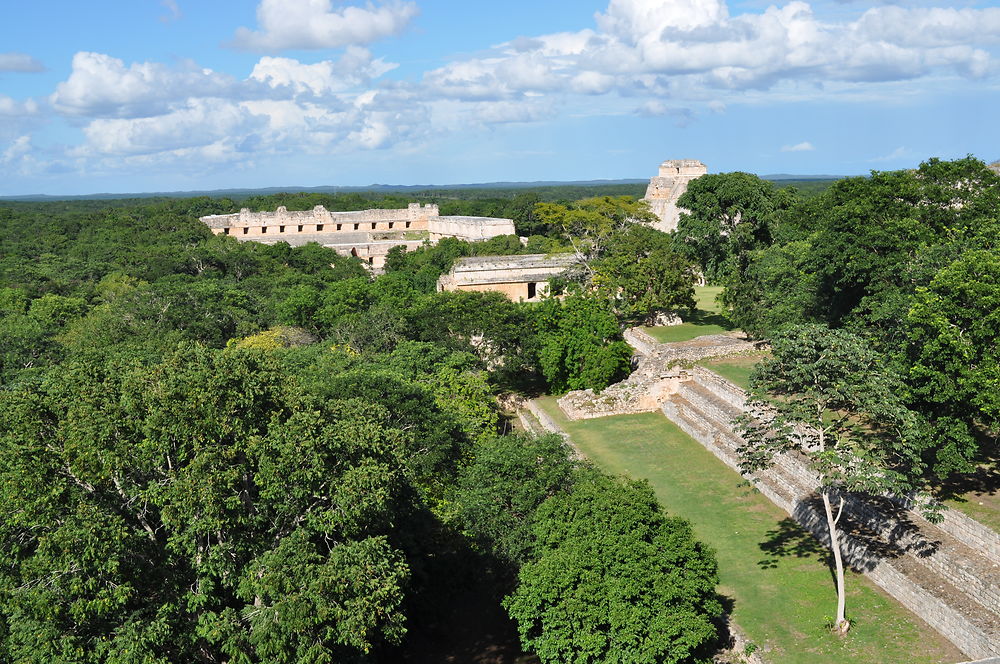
(804, 146)
(20, 147)
(315, 24)
(356, 67)
(102, 86)
(10, 107)
(665, 47)
(19, 62)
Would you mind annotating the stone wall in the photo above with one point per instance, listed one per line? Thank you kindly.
(551, 426)
(321, 220)
(519, 277)
(640, 340)
(367, 234)
(472, 229)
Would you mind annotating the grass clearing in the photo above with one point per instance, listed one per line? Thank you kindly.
(977, 494)
(707, 319)
(775, 574)
(705, 296)
(735, 369)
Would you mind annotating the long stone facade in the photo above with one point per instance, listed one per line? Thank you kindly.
(522, 278)
(366, 234)
(665, 188)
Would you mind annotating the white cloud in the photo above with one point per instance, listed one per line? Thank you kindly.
(20, 147)
(898, 153)
(657, 108)
(314, 24)
(11, 108)
(102, 86)
(662, 48)
(356, 67)
(200, 122)
(804, 146)
(19, 62)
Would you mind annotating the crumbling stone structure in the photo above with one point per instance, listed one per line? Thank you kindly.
(664, 190)
(522, 278)
(366, 234)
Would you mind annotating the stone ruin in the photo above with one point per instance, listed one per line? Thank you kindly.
(660, 371)
(365, 234)
(521, 278)
(668, 186)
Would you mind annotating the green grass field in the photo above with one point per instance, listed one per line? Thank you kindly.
(736, 369)
(779, 583)
(708, 319)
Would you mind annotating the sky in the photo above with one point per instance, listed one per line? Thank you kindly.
(172, 95)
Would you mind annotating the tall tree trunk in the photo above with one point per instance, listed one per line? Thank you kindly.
(841, 625)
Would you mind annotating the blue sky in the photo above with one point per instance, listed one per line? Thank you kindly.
(161, 95)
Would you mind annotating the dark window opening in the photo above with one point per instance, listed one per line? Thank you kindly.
(371, 260)
(281, 229)
(407, 224)
(300, 229)
(355, 227)
(263, 230)
(246, 230)
(373, 226)
(532, 290)
(225, 231)
(338, 226)
(319, 227)
(390, 225)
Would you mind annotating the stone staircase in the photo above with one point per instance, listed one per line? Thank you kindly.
(948, 574)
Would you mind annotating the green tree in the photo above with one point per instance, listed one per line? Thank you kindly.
(202, 509)
(579, 344)
(590, 224)
(776, 287)
(641, 275)
(498, 492)
(827, 395)
(614, 579)
(727, 214)
(951, 361)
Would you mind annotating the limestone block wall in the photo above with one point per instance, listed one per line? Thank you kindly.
(247, 224)
(514, 291)
(471, 229)
(641, 341)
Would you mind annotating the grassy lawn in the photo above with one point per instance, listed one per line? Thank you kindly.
(736, 369)
(708, 319)
(779, 583)
(705, 298)
(977, 494)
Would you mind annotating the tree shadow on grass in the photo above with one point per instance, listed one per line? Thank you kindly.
(985, 479)
(702, 317)
(789, 539)
(871, 532)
